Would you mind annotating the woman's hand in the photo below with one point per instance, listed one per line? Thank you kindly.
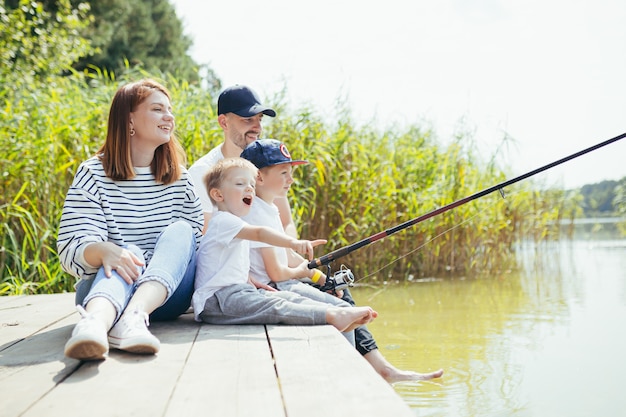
(114, 258)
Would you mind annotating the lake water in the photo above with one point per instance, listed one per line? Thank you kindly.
(547, 341)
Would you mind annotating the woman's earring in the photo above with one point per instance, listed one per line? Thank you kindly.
(132, 131)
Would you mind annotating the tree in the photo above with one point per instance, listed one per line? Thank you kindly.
(619, 202)
(145, 33)
(598, 198)
(36, 42)
(51, 36)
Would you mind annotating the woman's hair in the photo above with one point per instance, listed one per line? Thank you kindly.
(115, 153)
(216, 175)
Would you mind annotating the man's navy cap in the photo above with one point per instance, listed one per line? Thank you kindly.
(269, 152)
(242, 101)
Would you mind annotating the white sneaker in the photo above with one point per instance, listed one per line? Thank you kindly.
(89, 339)
(131, 334)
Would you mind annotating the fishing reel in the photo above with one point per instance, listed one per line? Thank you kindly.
(338, 281)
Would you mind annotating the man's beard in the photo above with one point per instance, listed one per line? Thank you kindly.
(242, 142)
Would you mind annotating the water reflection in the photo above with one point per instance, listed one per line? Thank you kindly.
(547, 341)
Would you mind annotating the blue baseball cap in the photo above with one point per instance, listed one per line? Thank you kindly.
(269, 152)
(242, 101)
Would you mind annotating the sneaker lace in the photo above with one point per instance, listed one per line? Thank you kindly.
(140, 315)
(83, 313)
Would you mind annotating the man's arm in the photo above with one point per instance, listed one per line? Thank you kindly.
(207, 217)
(284, 208)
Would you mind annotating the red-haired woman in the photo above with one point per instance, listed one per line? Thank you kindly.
(130, 228)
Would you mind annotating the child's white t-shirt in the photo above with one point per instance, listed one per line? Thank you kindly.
(264, 214)
(222, 259)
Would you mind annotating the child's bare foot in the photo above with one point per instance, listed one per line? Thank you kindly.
(346, 319)
(397, 375)
(393, 374)
(364, 320)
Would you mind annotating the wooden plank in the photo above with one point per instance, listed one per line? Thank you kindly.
(24, 316)
(33, 366)
(124, 384)
(229, 373)
(9, 299)
(320, 375)
(202, 369)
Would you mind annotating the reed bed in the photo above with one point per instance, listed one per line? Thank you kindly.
(360, 181)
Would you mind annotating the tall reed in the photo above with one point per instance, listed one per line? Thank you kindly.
(359, 182)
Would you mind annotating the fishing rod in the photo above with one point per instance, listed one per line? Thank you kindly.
(336, 254)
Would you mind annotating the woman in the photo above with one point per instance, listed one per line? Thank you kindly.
(130, 228)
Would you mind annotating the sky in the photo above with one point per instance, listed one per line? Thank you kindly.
(550, 74)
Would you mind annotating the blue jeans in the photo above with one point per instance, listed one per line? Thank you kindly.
(173, 264)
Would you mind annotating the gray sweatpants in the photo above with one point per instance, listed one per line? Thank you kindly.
(244, 304)
(311, 292)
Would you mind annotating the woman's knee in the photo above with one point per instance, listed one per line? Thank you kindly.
(179, 228)
(180, 233)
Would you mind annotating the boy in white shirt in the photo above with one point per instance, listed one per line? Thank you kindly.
(223, 294)
(269, 264)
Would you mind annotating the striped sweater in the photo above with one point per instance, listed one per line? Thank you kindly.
(98, 209)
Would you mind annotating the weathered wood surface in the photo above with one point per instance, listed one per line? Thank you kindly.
(291, 371)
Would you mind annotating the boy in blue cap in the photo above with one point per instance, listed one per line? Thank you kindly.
(269, 265)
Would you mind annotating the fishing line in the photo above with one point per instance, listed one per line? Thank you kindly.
(437, 237)
(417, 248)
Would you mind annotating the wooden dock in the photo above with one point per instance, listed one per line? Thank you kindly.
(201, 370)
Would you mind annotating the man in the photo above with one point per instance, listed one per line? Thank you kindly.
(240, 113)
